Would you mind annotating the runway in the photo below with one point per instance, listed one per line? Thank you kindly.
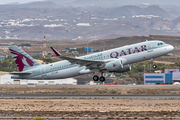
(90, 96)
(93, 118)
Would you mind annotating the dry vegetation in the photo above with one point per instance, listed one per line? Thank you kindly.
(97, 44)
(91, 90)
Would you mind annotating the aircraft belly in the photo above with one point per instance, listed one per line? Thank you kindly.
(38, 77)
(70, 72)
(66, 73)
(136, 57)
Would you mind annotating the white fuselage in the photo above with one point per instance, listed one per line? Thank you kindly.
(131, 53)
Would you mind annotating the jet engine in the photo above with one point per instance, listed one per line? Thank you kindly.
(126, 68)
(117, 66)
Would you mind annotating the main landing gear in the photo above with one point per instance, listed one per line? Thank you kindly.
(102, 78)
(154, 66)
(96, 78)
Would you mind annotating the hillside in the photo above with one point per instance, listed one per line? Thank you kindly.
(62, 1)
(95, 44)
(110, 3)
(176, 21)
(128, 10)
(56, 21)
(121, 41)
(156, 10)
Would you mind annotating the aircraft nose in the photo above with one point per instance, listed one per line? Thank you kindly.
(171, 48)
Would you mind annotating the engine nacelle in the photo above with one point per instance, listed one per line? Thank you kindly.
(117, 65)
(126, 68)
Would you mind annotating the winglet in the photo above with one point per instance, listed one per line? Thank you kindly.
(55, 52)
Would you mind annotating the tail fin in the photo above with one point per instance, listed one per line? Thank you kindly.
(22, 59)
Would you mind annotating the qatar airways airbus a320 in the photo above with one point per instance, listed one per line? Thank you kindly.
(114, 60)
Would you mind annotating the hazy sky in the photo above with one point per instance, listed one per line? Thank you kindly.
(20, 1)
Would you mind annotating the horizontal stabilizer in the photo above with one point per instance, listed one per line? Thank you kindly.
(21, 74)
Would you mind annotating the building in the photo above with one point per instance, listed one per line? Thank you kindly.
(170, 76)
(83, 24)
(1, 57)
(68, 81)
(6, 79)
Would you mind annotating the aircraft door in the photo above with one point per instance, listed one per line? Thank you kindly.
(43, 73)
(149, 46)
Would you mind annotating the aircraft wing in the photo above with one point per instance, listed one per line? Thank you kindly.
(90, 64)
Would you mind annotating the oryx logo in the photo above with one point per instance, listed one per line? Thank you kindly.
(114, 55)
(114, 65)
(21, 60)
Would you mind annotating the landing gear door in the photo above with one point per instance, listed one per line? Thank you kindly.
(149, 46)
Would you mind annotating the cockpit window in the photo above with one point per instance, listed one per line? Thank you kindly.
(160, 44)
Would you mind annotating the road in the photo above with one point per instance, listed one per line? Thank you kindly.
(90, 96)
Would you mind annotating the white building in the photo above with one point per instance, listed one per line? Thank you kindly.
(6, 79)
(83, 24)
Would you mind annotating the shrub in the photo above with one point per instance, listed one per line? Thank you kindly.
(38, 118)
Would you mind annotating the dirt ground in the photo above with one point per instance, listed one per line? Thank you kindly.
(92, 89)
(90, 107)
(93, 107)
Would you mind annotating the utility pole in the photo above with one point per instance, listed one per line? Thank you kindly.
(44, 47)
(60, 45)
(87, 47)
(103, 45)
(144, 68)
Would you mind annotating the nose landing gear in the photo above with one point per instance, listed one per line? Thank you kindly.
(154, 66)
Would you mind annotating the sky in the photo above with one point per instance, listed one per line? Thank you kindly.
(20, 1)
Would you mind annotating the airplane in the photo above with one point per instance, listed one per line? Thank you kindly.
(114, 60)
